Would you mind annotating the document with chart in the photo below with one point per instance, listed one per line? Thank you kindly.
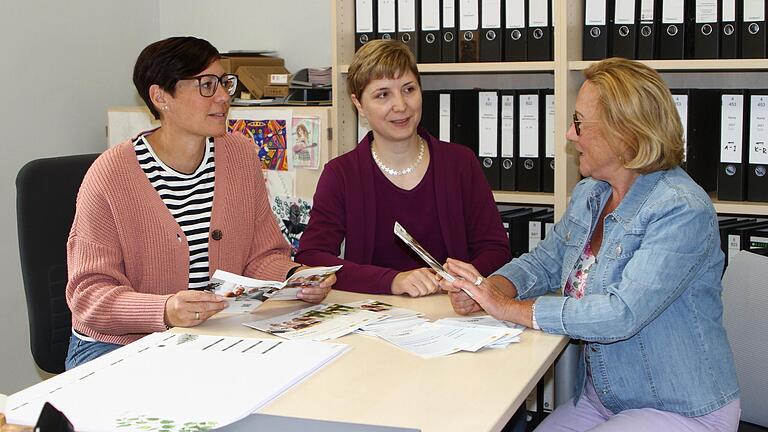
(174, 382)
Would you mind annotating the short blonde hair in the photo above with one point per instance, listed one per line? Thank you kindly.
(377, 59)
(636, 109)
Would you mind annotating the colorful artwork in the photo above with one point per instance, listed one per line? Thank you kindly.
(292, 217)
(306, 142)
(270, 139)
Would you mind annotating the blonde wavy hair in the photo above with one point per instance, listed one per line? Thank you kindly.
(636, 109)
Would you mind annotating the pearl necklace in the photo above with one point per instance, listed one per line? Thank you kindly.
(394, 172)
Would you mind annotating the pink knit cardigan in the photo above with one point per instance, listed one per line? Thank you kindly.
(126, 255)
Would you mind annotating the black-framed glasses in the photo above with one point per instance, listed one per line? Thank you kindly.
(208, 83)
(577, 123)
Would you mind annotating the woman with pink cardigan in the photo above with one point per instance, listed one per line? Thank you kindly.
(156, 215)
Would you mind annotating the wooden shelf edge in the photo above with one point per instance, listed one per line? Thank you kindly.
(691, 65)
(741, 207)
(501, 67)
(504, 197)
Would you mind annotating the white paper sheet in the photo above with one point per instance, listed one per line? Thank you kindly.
(319, 322)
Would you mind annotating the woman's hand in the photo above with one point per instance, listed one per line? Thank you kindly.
(316, 294)
(416, 283)
(189, 308)
(470, 286)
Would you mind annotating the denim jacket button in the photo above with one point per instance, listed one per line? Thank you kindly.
(568, 236)
(618, 250)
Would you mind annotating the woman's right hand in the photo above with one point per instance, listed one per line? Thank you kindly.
(416, 283)
(189, 308)
(462, 303)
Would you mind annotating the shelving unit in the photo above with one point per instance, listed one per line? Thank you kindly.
(567, 77)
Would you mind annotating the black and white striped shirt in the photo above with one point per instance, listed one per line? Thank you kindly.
(189, 197)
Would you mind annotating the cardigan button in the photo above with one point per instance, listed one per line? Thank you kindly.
(217, 235)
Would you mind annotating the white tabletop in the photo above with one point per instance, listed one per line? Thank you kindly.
(378, 383)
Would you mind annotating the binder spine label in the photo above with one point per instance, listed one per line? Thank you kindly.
(468, 15)
(406, 16)
(529, 126)
(672, 12)
(646, 11)
(594, 13)
(732, 130)
(491, 14)
(549, 129)
(681, 103)
(538, 13)
(445, 117)
(364, 16)
(488, 118)
(449, 14)
(430, 15)
(514, 12)
(386, 16)
(754, 10)
(534, 234)
(508, 126)
(758, 130)
(729, 10)
(625, 12)
(706, 11)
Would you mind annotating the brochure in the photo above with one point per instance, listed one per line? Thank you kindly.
(245, 294)
(318, 323)
(419, 249)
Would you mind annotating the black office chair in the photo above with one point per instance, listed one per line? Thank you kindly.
(46, 190)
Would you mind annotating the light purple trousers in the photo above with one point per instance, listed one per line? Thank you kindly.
(589, 414)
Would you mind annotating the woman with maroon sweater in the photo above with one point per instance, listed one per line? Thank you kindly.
(399, 172)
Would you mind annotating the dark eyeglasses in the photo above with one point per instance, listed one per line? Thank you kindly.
(208, 83)
(577, 123)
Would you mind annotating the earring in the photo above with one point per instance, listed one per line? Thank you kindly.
(165, 107)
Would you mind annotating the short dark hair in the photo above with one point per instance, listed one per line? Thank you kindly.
(167, 61)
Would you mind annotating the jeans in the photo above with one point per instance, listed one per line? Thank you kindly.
(82, 351)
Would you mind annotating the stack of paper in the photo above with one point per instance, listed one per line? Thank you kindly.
(319, 323)
(174, 382)
(486, 321)
(396, 318)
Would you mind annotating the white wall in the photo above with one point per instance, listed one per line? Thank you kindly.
(63, 63)
(299, 30)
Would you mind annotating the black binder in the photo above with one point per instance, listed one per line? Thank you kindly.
(429, 32)
(701, 131)
(624, 28)
(757, 172)
(515, 33)
(539, 30)
(386, 19)
(595, 36)
(430, 111)
(758, 238)
(464, 125)
(753, 29)
(729, 29)
(537, 227)
(529, 142)
(738, 237)
(488, 136)
(548, 141)
(724, 228)
(469, 31)
(365, 22)
(508, 220)
(407, 20)
(706, 29)
(518, 230)
(731, 178)
(673, 28)
(647, 35)
(508, 138)
(491, 36)
(448, 32)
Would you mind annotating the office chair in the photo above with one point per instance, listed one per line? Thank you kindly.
(46, 191)
(744, 299)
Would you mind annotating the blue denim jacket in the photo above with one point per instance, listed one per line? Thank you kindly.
(651, 311)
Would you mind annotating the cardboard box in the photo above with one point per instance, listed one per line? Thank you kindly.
(232, 63)
(256, 80)
(276, 91)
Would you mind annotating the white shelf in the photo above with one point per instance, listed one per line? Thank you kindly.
(490, 67)
(503, 197)
(741, 207)
(692, 65)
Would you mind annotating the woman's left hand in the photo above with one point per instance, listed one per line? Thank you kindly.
(481, 290)
(316, 294)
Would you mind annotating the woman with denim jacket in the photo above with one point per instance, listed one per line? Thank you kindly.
(638, 254)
